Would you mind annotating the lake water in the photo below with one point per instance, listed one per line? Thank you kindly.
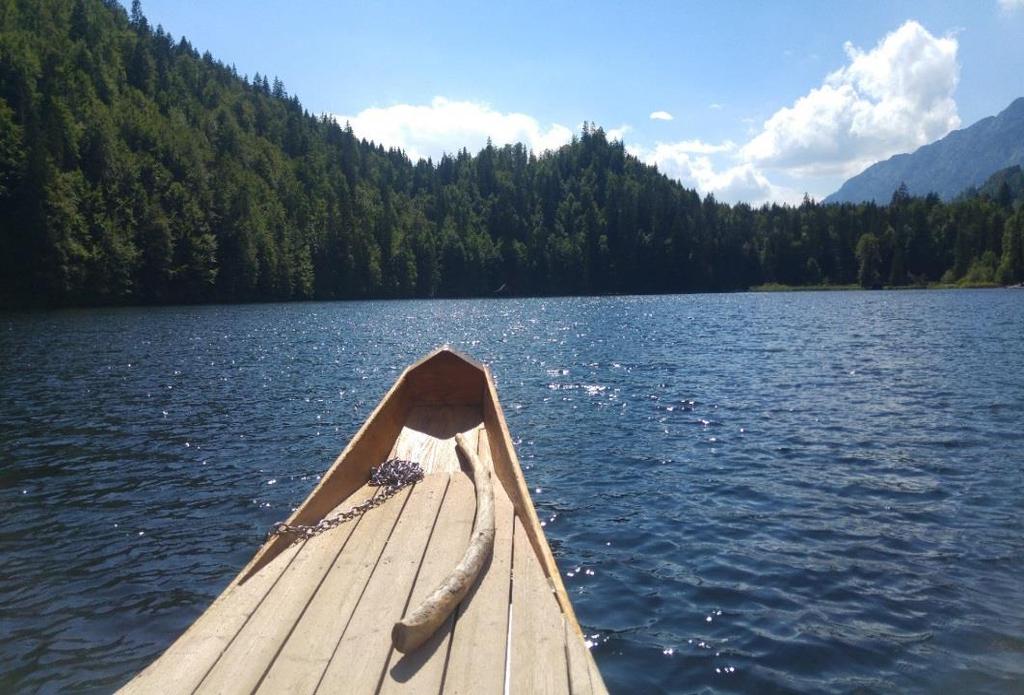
(745, 493)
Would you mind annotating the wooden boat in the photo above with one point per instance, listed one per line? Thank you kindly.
(317, 614)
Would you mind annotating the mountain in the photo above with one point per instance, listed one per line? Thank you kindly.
(962, 159)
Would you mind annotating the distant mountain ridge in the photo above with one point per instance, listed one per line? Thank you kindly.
(962, 159)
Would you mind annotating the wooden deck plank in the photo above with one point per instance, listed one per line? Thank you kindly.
(359, 659)
(576, 658)
(303, 659)
(445, 459)
(432, 430)
(537, 661)
(476, 660)
(596, 680)
(247, 657)
(422, 670)
(183, 665)
(186, 662)
(414, 443)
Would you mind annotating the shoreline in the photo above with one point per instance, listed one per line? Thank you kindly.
(768, 288)
(776, 287)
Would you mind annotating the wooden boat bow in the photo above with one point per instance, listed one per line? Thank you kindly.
(320, 614)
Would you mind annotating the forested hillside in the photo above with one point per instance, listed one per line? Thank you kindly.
(134, 169)
(1006, 187)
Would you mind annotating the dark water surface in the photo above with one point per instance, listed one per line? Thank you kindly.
(745, 493)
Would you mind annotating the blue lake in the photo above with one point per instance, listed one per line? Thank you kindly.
(745, 493)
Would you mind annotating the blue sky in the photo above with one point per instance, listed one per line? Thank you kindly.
(767, 100)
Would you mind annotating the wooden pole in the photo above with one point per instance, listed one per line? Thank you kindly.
(411, 632)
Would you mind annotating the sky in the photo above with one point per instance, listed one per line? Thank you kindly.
(749, 101)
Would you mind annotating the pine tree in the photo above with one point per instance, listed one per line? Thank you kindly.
(869, 256)
(1011, 265)
(141, 70)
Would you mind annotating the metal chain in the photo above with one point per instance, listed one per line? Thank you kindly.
(391, 476)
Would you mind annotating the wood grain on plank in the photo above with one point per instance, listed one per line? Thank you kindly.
(596, 681)
(576, 658)
(302, 661)
(414, 442)
(537, 645)
(360, 656)
(422, 669)
(305, 655)
(476, 660)
(430, 431)
(246, 659)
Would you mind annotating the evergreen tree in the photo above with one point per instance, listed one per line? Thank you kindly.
(1011, 266)
(897, 267)
(869, 255)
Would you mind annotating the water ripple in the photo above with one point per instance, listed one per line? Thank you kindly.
(745, 493)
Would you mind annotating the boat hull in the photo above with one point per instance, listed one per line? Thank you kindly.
(315, 615)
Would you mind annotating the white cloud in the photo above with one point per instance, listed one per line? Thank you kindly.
(448, 126)
(661, 116)
(690, 163)
(1011, 5)
(745, 183)
(618, 133)
(667, 150)
(891, 99)
(715, 107)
